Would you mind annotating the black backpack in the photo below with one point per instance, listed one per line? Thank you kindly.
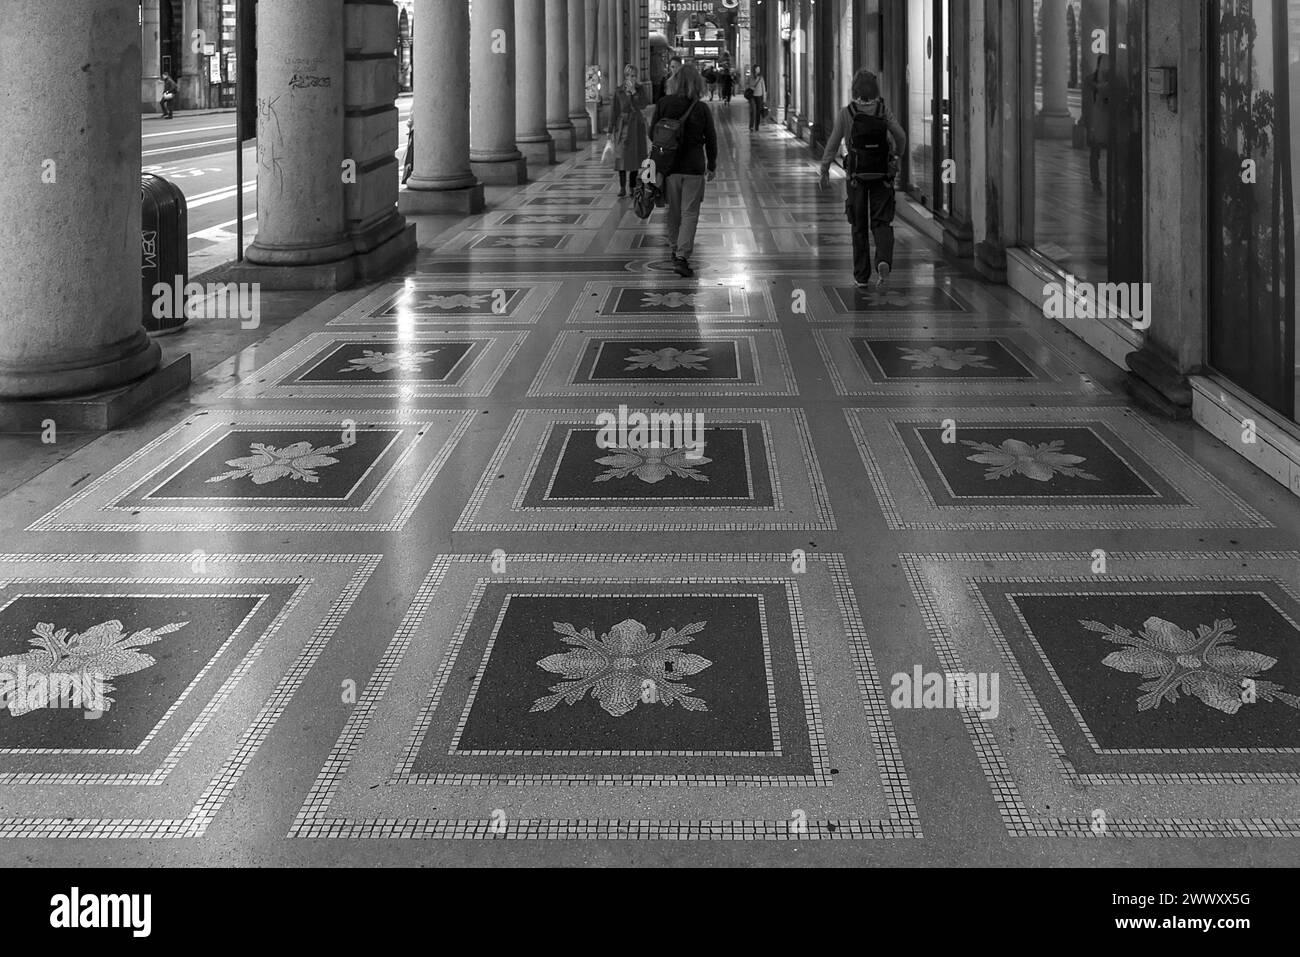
(666, 141)
(868, 159)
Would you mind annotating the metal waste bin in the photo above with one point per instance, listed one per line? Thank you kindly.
(164, 247)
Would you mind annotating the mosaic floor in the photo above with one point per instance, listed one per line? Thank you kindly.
(546, 553)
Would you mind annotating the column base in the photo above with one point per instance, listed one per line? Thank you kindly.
(991, 262)
(1054, 126)
(958, 237)
(101, 411)
(537, 154)
(513, 172)
(362, 267)
(415, 202)
(564, 137)
(1157, 386)
(581, 126)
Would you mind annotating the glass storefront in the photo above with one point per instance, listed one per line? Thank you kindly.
(928, 123)
(1254, 165)
(1083, 60)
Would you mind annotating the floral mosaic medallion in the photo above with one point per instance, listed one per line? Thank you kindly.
(633, 359)
(574, 471)
(253, 463)
(540, 219)
(1024, 462)
(623, 668)
(1175, 668)
(130, 658)
(626, 302)
(948, 360)
(561, 201)
(365, 361)
(519, 242)
(893, 297)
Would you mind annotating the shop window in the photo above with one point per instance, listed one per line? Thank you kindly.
(1084, 143)
(1254, 165)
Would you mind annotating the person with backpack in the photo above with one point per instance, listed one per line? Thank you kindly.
(684, 149)
(711, 79)
(874, 140)
(756, 93)
(170, 90)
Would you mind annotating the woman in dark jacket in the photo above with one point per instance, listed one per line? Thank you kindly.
(627, 129)
(697, 162)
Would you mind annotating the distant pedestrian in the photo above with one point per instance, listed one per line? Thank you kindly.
(694, 163)
(627, 128)
(711, 79)
(726, 80)
(408, 161)
(757, 96)
(170, 90)
(874, 140)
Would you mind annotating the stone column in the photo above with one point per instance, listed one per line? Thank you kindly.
(493, 156)
(193, 80)
(1054, 120)
(604, 57)
(300, 81)
(442, 180)
(577, 55)
(558, 67)
(70, 304)
(531, 137)
(151, 50)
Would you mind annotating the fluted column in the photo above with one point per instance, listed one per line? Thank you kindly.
(493, 156)
(70, 304)
(558, 67)
(577, 55)
(1054, 120)
(442, 179)
(531, 136)
(151, 53)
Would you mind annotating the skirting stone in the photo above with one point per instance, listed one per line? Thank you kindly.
(504, 173)
(565, 137)
(102, 411)
(467, 199)
(342, 274)
(387, 258)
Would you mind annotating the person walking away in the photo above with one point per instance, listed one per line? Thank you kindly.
(711, 78)
(627, 128)
(1096, 118)
(757, 96)
(692, 164)
(170, 90)
(408, 161)
(874, 140)
(726, 80)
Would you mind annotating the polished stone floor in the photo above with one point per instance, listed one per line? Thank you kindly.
(930, 592)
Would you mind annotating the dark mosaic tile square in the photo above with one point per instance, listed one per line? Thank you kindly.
(1170, 674)
(745, 714)
(536, 219)
(687, 300)
(895, 298)
(1031, 463)
(104, 638)
(677, 359)
(735, 470)
(469, 301)
(392, 362)
(575, 187)
(553, 241)
(253, 464)
(561, 201)
(934, 359)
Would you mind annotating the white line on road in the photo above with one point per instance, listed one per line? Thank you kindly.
(217, 196)
(197, 129)
(188, 146)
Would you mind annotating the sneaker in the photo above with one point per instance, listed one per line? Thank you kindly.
(622, 193)
(682, 268)
(882, 273)
(862, 285)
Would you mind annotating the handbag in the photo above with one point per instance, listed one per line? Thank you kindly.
(607, 154)
(645, 197)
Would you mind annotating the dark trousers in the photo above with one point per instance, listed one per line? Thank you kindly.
(755, 111)
(870, 209)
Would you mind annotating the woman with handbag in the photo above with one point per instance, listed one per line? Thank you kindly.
(628, 135)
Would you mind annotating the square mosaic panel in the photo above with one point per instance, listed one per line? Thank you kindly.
(385, 365)
(1039, 468)
(416, 303)
(757, 472)
(531, 221)
(614, 687)
(709, 218)
(196, 658)
(1159, 699)
(622, 302)
(848, 301)
(899, 364)
(513, 242)
(270, 471)
(666, 363)
(709, 241)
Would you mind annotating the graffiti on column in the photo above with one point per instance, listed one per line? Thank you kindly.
(270, 142)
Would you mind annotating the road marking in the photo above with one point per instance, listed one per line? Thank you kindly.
(189, 146)
(219, 233)
(207, 199)
(200, 129)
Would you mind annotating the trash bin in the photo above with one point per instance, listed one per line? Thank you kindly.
(164, 246)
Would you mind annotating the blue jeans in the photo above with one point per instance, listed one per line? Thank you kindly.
(685, 194)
